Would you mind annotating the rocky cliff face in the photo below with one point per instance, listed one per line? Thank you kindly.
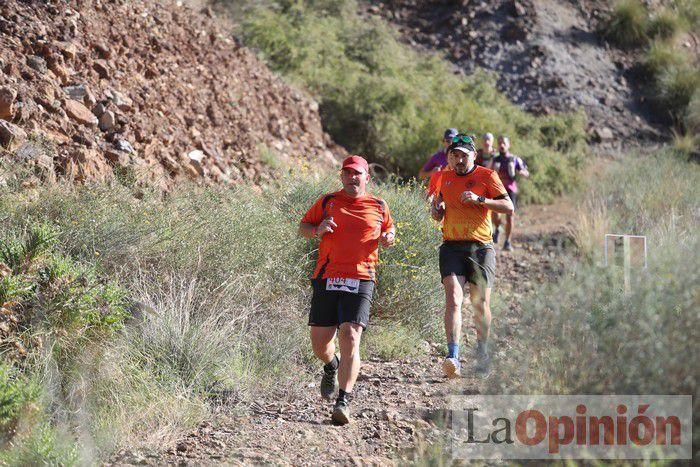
(91, 87)
(545, 54)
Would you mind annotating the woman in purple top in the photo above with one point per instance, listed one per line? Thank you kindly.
(438, 161)
(508, 167)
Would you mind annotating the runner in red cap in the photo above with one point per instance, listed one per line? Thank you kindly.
(351, 224)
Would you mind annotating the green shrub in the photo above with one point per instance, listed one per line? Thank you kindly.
(44, 446)
(16, 391)
(381, 98)
(664, 24)
(627, 24)
(675, 89)
(692, 114)
(662, 56)
(584, 335)
(218, 284)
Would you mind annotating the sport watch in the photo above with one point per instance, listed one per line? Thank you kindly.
(481, 199)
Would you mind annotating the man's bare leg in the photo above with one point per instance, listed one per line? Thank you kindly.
(349, 338)
(481, 301)
(454, 295)
(322, 342)
(510, 221)
(324, 348)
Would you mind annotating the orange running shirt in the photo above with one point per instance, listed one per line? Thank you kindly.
(351, 251)
(434, 182)
(466, 222)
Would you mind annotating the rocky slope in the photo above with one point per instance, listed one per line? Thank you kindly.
(545, 55)
(93, 85)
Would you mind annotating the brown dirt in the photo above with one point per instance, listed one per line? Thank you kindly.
(91, 87)
(399, 406)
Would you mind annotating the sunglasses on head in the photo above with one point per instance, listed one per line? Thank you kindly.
(462, 139)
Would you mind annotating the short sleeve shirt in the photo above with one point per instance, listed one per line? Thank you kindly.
(464, 222)
(352, 250)
(501, 163)
(439, 159)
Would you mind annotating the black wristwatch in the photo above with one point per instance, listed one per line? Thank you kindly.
(481, 199)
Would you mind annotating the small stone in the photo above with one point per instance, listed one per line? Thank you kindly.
(121, 101)
(7, 100)
(107, 121)
(103, 50)
(196, 155)
(77, 92)
(102, 68)
(68, 49)
(603, 134)
(11, 136)
(99, 110)
(80, 113)
(60, 71)
(37, 63)
(124, 145)
(118, 158)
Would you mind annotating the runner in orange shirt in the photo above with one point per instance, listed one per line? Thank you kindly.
(466, 197)
(351, 224)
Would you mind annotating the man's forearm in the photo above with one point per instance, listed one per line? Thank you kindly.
(502, 206)
(307, 230)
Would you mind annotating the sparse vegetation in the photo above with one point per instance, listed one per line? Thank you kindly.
(628, 24)
(381, 98)
(612, 342)
(173, 306)
(674, 71)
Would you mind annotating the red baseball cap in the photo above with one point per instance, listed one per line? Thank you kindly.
(356, 163)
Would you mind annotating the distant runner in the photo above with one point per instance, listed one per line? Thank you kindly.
(351, 224)
(486, 154)
(509, 167)
(464, 203)
(438, 161)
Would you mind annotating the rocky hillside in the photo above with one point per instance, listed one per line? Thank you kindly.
(545, 54)
(93, 85)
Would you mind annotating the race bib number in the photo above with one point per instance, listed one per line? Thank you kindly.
(343, 284)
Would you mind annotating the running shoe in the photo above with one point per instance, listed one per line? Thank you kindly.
(341, 412)
(329, 384)
(507, 246)
(452, 367)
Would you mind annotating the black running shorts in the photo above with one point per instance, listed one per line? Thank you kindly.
(334, 307)
(474, 260)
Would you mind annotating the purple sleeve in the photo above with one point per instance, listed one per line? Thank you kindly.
(520, 164)
(432, 162)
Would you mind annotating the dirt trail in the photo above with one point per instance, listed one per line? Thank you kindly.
(398, 405)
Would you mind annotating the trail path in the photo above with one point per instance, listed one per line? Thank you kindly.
(397, 404)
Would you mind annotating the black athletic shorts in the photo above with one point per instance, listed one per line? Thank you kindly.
(513, 197)
(334, 307)
(474, 260)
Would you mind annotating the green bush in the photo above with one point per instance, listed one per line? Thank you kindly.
(664, 24)
(584, 334)
(381, 98)
(662, 56)
(627, 24)
(675, 89)
(16, 391)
